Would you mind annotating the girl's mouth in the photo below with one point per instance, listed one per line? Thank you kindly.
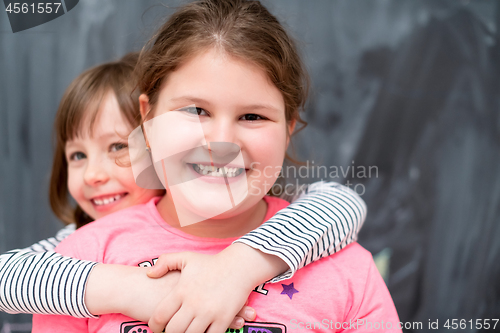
(212, 171)
(106, 200)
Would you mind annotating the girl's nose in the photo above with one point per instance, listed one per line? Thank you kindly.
(221, 130)
(223, 152)
(221, 137)
(95, 174)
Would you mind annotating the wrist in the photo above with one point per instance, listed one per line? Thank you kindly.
(269, 265)
(127, 290)
(106, 285)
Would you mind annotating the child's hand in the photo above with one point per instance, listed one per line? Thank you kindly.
(209, 294)
(105, 293)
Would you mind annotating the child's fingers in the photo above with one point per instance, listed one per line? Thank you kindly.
(237, 323)
(198, 325)
(247, 313)
(168, 262)
(163, 313)
(180, 321)
(217, 326)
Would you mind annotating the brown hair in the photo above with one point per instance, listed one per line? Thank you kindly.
(241, 28)
(79, 105)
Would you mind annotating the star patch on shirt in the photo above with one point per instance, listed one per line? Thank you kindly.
(288, 290)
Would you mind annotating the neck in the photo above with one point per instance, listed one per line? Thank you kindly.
(224, 227)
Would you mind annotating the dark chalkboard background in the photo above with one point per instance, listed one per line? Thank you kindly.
(410, 88)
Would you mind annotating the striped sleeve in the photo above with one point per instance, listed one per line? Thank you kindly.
(323, 220)
(39, 280)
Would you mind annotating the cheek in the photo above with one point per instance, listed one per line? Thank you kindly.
(137, 194)
(125, 176)
(174, 134)
(75, 183)
(268, 147)
(267, 152)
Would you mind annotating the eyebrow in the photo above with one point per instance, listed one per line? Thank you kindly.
(251, 107)
(191, 99)
(111, 134)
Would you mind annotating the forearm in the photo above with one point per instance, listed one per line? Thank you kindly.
(28, 283)
(246, 258)
(321, 222)
(127, 290)
(30, 280)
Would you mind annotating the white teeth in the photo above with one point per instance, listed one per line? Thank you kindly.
(105, 201)
(217, 172)
(230, 170)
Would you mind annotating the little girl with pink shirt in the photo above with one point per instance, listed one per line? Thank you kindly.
(228, 70)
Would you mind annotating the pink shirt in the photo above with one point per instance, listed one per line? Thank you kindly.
(343, 292)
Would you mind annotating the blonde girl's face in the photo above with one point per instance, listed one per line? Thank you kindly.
(97, 183)
(235, 103)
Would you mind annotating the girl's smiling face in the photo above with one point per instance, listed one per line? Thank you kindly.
(97, 183)
(235, 103)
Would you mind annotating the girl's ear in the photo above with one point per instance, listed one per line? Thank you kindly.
(291, 127)
(144, 106)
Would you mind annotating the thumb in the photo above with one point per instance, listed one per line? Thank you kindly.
(167, 262)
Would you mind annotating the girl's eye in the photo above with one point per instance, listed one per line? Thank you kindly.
(77, 156)
(252, 117)
(117, 146)
(194, 111)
